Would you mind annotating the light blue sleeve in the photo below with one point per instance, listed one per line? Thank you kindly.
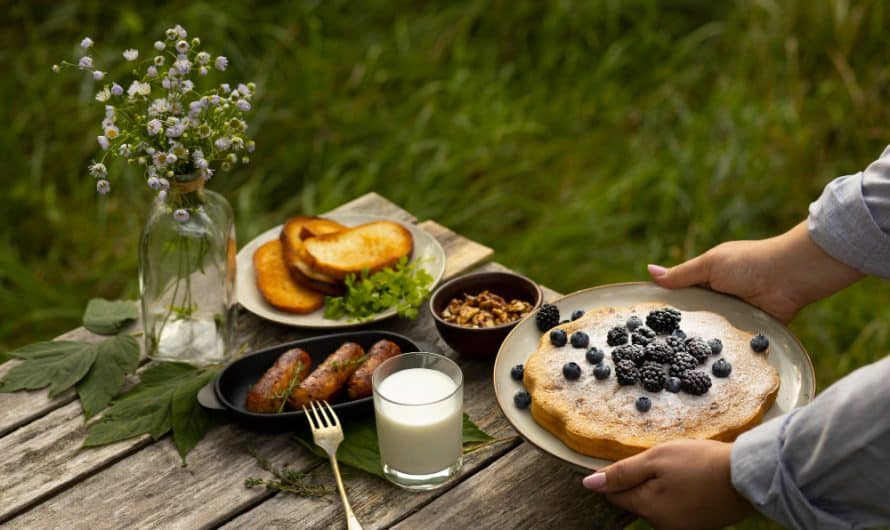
(825, 465)
(851, 219)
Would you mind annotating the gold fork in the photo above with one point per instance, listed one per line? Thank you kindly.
(327, 433)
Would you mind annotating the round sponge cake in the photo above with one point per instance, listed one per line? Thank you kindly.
(599, 417)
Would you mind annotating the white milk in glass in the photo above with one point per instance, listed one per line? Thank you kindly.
(416, 436)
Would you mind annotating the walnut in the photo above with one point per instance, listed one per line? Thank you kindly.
(484, 310)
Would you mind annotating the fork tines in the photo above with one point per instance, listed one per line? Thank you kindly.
(320, 413)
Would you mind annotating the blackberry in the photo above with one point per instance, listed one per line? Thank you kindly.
(716, 346)
(571, 371)
(759, 343)
(634, 322)
(679, 333)
(652, 376)
(558, 337)
(698, 349)
(664, 320)
(602, 371)
(721, 368)
(626, 372)
(576, 314)
(683, 362)
(672, 384)
(580, 339)
(516, 372)
(594, 355)
(649, 333)
(695, 382)
(660, 352)
(616, 336)
(636, 338)
(643, 404)
(547, 317)
(522, 399)
(676, 343)
(629, 352)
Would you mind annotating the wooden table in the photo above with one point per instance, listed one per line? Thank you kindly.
(48, 481)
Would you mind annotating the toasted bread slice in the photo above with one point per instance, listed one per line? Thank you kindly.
(292, 245)
(307, 277)
(372, 246)
(317, 226)
(276, 285)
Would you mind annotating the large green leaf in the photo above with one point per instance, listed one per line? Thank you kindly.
(360, 448)
(115, 358)
(105, 317)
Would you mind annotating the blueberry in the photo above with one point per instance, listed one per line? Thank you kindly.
(716, 346)
(516, 372)
(594, 355)
(634, 322)
(522, 399)
(571, 371)
(580, 339)
(721, 368)
(576, 314)
(672, 384)
(602, 371)
(643, 404)
(558, 337)
(759, 343)
(679, 333)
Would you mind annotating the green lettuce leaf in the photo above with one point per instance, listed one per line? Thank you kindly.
(105, 317)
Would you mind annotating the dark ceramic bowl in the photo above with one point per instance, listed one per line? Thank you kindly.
(482, 343)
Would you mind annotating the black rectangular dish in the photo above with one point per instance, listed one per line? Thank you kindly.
(231, 386)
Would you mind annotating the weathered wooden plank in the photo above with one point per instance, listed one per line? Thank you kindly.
(522, 489)
(467, 253)
(376, 204)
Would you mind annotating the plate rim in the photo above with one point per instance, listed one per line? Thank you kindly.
(810, 370)
(340, 324)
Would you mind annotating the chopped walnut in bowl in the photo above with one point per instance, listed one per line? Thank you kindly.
(484, 310)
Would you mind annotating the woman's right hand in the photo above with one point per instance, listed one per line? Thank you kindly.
(780, 275)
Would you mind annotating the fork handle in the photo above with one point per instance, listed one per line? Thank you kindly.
(351, 521)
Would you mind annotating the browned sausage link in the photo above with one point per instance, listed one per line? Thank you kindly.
(290, 369)
(359, 385)
(329, 377)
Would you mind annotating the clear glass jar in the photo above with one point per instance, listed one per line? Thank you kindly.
(187, 275)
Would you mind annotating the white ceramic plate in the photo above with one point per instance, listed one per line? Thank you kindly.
(426, 248)
(787, 354)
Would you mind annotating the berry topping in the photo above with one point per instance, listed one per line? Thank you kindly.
(580, 339)
(516, 372)
(626, 372)
(571, 371)
(634, 322)
(759, 343)
(676, 343)
(616, 336)
(629, 352)
(664, 320)
(682, 363)
(695, 382)
(679, 333)
(698, 348)
(637, 338)
(594, 355)
(644, 404)
(672, 384)
(716, 346)
(576, 314)
(602, 371)
(522, 399)
(547, 317)
(660, 352)
(652, 376)
(558, 337)
(721, 368)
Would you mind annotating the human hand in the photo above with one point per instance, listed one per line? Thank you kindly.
(779, 275)
(679, 484)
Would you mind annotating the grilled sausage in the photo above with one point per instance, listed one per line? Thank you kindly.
(269, 393)
(359, 385)
(330, 376)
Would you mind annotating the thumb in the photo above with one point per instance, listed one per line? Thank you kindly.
(622, 475)
(692, 272)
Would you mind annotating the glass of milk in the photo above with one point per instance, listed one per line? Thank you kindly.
(418, 405)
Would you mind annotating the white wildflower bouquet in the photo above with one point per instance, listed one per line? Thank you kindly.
(177, 131)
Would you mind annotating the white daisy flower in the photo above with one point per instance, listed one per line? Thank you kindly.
(103, 186)
(181, 215)
(202, 57)
(165, 184)
(222, 143)
(98, 169)
(98, 75)
(225, 88)
(131, 54)
(86, 43)
(243, 105)
(154, 127)
(180, 31)
(158, 60)
(182, 46)
(159, 45)
(221, 63)
(187, 86)
(112, 132)
(124, 150)
(103, 95)
(151, 71)
(160, 159)
(85, 62)
(154, 183)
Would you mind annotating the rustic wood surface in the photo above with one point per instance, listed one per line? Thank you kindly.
(48, 481)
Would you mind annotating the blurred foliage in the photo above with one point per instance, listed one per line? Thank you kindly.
(581, 140)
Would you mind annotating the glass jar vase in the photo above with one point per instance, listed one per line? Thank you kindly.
(187, 275)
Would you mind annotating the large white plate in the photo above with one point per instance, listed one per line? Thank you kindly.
(787, 354)
(426, 249)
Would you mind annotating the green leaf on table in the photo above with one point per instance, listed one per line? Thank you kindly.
(360, 448)
(165, 399)
(106, 317)
(97, 368)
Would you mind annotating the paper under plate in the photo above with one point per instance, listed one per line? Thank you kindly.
(426, 248)
(787, 354)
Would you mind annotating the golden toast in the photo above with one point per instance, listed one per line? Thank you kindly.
(371, 246)
(295, 230)
(276, 285)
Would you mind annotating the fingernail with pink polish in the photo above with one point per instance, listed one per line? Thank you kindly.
(656, 271)
(595, 481)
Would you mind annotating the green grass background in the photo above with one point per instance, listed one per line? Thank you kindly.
(581, 140)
